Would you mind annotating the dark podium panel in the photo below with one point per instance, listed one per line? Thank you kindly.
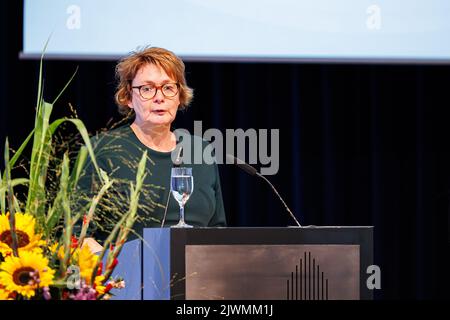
(313, 263)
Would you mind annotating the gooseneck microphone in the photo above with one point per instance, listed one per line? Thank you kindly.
(178, 160)
(252, 171)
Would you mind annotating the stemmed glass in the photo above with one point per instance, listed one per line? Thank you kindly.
(182, 186)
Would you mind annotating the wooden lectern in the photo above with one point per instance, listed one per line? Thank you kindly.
(309, 263)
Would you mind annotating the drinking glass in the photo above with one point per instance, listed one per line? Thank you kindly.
(181, 186)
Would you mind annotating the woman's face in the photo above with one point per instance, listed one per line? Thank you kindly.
(159, 110)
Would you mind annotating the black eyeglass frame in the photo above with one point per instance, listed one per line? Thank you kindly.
(157, 88)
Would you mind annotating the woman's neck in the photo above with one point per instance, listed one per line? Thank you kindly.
(158, 138)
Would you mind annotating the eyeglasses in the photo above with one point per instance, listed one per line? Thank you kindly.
(148, 91)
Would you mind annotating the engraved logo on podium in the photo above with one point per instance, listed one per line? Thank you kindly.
(307, 282)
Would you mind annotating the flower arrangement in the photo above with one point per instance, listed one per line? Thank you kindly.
(41, 256)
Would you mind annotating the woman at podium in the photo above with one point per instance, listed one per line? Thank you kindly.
(151, 90)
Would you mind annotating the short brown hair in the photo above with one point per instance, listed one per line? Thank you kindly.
(128, 67)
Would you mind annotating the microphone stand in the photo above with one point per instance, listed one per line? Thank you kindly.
(276, 192)
(252, 171)
(176, 163)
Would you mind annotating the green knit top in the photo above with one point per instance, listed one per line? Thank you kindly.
(119, 151)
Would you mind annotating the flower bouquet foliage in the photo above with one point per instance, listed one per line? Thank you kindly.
(41, 254)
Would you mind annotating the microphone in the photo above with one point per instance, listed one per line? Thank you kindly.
(178, 160)
(243, 165)
(252, 171)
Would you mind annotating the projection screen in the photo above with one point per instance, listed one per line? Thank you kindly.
(242, 30)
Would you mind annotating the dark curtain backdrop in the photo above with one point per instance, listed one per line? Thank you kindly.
(360, 144)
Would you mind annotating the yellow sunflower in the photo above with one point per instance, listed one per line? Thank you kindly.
(60, 254)
(98, 284)
(15, 273)
(53, 248)
(84, 257)
(27, 239)
(86, 261)
(4, 295)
